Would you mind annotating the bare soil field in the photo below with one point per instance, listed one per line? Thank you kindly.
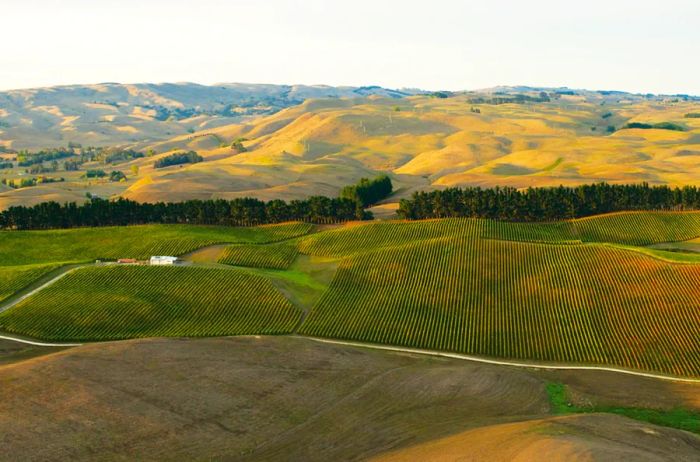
(288, 398)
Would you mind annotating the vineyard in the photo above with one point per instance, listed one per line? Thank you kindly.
(562, 232)
(349, 240)
(85, 244)
(14, 278)
(578, 291)
(114, 302)
(629, 228)
(639, 228)
(277, 256)
(569, 303)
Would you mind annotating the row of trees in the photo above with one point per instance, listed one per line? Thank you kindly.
(546, 204)
(237, 212)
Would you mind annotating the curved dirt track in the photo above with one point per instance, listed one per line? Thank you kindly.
(502, 362)
(477, 359)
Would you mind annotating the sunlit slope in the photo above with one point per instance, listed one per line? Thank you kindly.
(573, 291)
(556, 439)
(428, 142)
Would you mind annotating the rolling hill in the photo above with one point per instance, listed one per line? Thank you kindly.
(505, 136)
(113, 113)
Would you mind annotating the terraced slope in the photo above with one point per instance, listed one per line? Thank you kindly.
(567, 303)
(85, 244)
(117, 302)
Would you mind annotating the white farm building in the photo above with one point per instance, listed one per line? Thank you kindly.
(163, 260)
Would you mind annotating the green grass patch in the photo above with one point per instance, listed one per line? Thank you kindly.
(662, 254)
(681, 419)
(304, 282)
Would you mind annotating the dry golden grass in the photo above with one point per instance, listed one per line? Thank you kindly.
(321, 145)
(443, 143)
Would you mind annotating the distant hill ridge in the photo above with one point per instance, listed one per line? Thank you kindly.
(114, 113)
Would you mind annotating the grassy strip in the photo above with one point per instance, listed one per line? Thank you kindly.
(681, 419)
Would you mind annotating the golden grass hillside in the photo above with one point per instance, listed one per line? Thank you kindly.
(424, 142)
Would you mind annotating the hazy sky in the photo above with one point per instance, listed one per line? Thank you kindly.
(640, 45)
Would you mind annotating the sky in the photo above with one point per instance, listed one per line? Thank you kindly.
(640, 46)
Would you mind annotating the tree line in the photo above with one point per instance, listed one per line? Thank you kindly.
(236, 212)
(546, 203)
(660, 126)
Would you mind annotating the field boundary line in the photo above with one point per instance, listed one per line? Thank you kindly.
(32, 342)
(501, 362)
